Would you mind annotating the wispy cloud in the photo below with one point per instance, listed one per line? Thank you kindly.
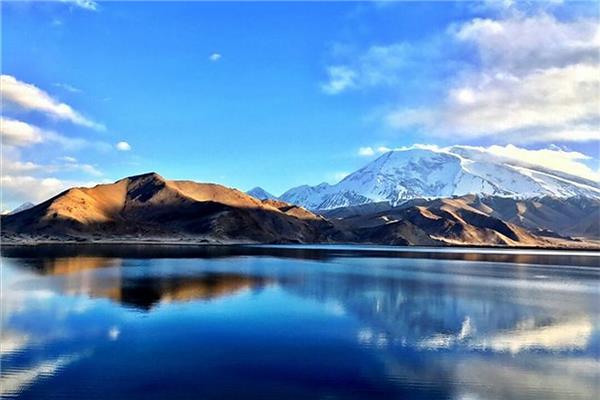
(21, 182)
(30, 97)
(67, 87)
(526, 79)
(71, 164)
(18, 133)
(538, 82)
(336, 176)
(22, 134)
(24, 180)
(215, 57)
(340, 78)
(19, 189)
(369, 151)
(366, 151)
(10, 167)
(84, 4)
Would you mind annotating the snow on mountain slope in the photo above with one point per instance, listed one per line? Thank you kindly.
(401, 175)
(260, 193)
(22, 207)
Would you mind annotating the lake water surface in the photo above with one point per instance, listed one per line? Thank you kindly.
(134, 322)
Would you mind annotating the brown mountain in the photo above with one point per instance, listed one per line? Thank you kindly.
(149, 206)
(475, 220)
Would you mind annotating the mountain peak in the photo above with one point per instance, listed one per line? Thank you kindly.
(421, 172)
(22, 207)
(146, 177)
(260, 193)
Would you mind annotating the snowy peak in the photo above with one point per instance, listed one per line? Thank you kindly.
(22, 207)
(401, 175)
(261, 194)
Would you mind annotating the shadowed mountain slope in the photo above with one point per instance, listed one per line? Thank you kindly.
(473, 220)
(148, 205)
(149, 208)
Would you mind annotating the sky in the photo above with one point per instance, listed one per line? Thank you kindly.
(280, 94)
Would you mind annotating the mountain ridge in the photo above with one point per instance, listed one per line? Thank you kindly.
(148, 207)
(401, 175)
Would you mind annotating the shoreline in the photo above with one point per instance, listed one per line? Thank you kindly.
(455, 248)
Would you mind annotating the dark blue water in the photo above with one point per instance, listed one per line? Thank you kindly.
(128, 322)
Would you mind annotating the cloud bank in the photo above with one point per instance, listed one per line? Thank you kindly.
(526, 79)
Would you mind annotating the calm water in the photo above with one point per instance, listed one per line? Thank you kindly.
(131, 322)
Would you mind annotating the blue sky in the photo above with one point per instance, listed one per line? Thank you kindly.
(283, 94)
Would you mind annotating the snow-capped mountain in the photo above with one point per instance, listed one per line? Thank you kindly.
(400, 175)
(261, 194)
(22, 207)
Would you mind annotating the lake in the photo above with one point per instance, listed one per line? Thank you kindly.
(294, 322)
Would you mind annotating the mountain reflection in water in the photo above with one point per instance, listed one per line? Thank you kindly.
(297, 323)
(143, 291)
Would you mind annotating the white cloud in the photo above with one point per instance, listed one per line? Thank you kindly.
(20, 189)
(338, 176)
(30, 97)
(15, 167)
(17, 133)
(215, 57)
(340, 78)
(89, 5)
(71, 164)
(23, 180)
(21, 134)
(396, 65)
(523, 44)
(556, 159)
(545, 102)
(369, 151)
(539, 81)
(11, 167)
(366, 151)
(68, 159)
(518, 79)
(335, 177)
(123, 146)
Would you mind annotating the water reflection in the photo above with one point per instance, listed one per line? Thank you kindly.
(83, 275)
(293, 327)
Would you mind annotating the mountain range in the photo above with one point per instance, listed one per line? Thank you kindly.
(149, 208)
(401, 175)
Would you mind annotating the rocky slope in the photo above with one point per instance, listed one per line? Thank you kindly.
(475, 220)
(149, 206)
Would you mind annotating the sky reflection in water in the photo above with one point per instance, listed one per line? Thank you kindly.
(231, 323)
